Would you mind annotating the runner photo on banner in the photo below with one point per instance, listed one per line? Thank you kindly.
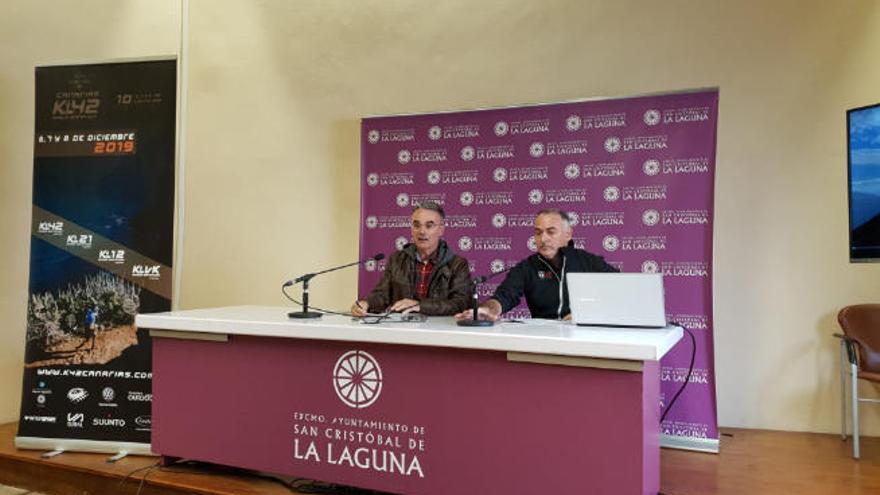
(101, 252)
(635, 176)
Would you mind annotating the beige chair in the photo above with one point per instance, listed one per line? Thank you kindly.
(860, 352)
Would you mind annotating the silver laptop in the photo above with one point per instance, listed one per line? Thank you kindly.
(617, 299)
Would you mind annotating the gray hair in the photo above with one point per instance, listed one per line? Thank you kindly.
(566, 220)
(432, 206)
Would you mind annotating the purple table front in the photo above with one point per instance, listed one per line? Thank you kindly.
(407, 419)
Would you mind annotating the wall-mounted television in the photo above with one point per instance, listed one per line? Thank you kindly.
(863, 157)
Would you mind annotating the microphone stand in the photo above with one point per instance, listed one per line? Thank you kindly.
(476, 321)
(305, 313)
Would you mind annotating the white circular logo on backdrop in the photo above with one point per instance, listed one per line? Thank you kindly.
(465, 243)
(652, 117)
(496, 266)
(466, 198)
(535, 196)
(611, 243)
(573, 219)
(402, 199)
(501, 128)
(612, 144)
(611, 194)
(404, 156)
(572, 171)
(371, 222)
(531, 244)
(499, 220)
(108, 394)
(435, 132)
(434, 177)
(650, 266)
(650, 217)
(467, 153)
(372, 179)
(370, 265)
(651, 167)
(373, 136)
(536, 149)
(400, 242)
(41, 399)
(573, 123)
(357, 379)
(499, 174)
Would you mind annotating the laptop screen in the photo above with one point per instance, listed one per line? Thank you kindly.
(617, 299)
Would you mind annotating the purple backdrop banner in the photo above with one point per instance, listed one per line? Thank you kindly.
(636, 174)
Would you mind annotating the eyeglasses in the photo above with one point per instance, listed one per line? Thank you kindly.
(416, 225)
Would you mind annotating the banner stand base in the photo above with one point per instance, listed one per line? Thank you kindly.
(59, 445)
(708, 445)
(117, 456)
(51, 454)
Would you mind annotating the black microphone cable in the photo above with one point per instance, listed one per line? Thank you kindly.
(325, 311)
(385, 316)
(378, 318)
(307, 277)
(303, 485)
(687, 378)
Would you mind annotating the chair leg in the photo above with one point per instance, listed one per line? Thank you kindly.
(854, 377)
(843, 362)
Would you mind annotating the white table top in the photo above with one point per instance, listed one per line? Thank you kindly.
(531, 336)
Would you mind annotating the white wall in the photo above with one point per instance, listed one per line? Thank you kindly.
(277, 89)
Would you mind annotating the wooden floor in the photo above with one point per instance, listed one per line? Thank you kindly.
(774, 462)
(89, 474)
(751, 462)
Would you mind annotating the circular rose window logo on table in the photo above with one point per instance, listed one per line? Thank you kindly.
(357, 379)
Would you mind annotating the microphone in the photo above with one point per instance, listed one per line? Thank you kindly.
(476, 321)
(305, 313)
(485, 278)
(309, 276)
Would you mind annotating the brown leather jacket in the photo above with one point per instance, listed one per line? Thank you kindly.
(449, 289)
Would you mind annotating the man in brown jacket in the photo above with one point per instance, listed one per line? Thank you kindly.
(425, 276)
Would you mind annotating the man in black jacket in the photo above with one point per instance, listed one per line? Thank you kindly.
(425, 276)
(541, 276)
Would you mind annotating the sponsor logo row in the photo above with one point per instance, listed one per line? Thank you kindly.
(537, 149)
(610, 194)
(649, 218)
(572, 171)
(105, 397)
(573, 123)
(79, 420)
